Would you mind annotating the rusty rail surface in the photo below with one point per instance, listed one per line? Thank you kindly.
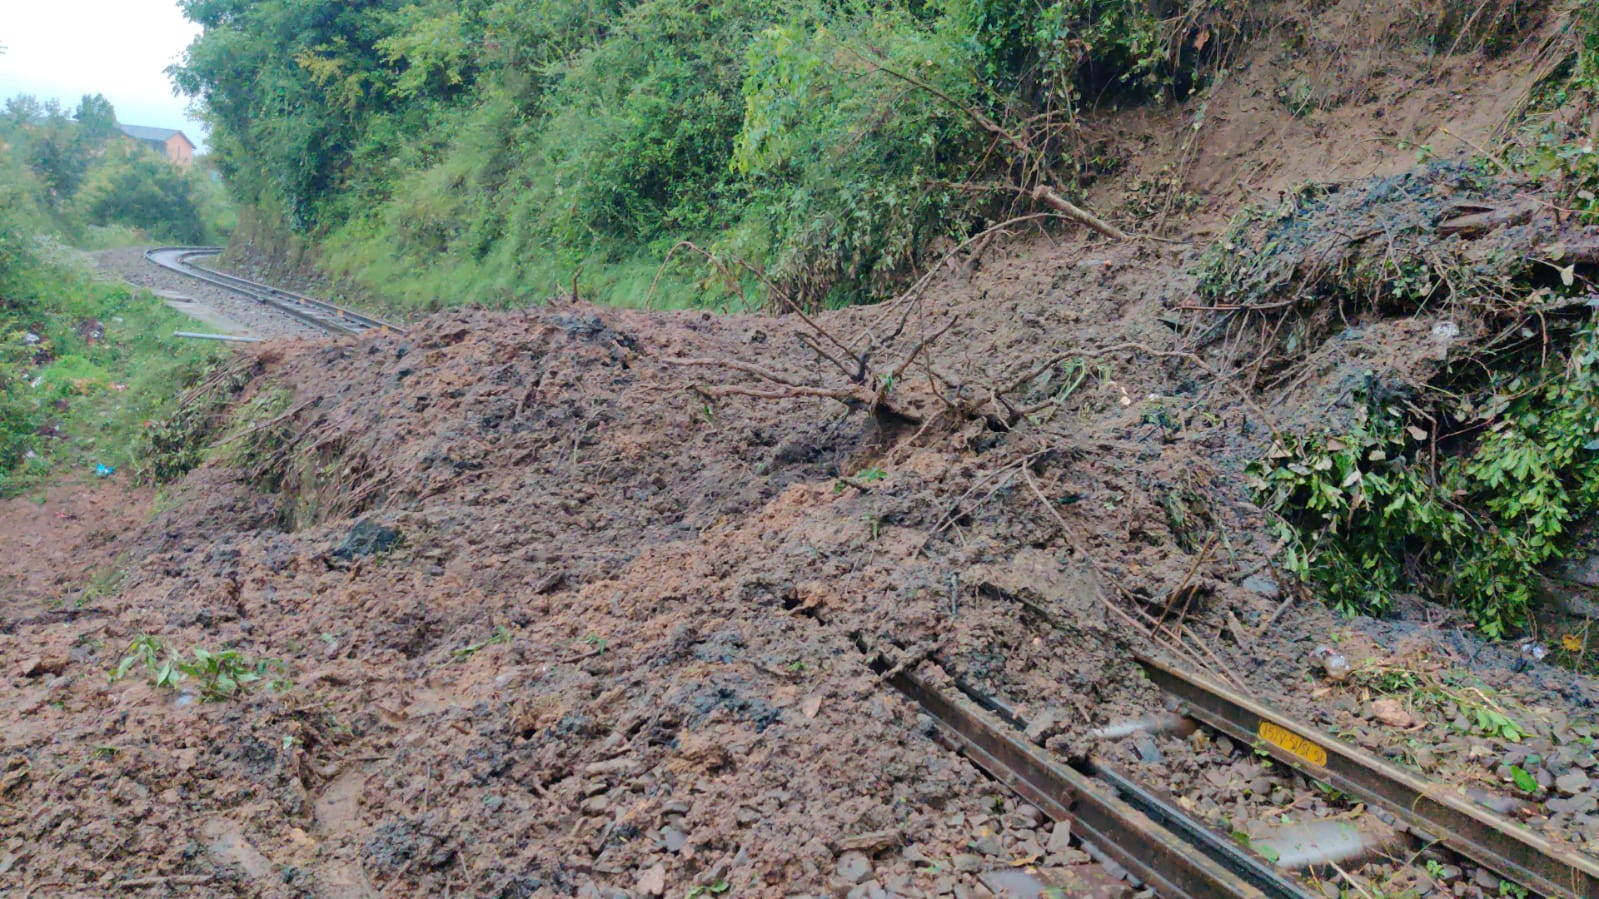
(1099, 812)
(1440, 811)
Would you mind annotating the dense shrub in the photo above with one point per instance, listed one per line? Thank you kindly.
(489, 150)
(1467, 517)
(76, 176)
(1364, 515)
(84, 365)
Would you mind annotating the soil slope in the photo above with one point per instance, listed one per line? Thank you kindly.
(578, 601)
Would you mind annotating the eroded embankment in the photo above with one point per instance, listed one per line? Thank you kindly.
(541, 606)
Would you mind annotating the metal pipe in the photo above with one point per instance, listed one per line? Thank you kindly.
(1158, 723)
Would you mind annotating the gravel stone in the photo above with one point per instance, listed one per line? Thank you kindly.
(967, 863)
(854, 867)
(1572, 782)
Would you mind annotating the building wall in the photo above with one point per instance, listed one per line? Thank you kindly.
(180, 151)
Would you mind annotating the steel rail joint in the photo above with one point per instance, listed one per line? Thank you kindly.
(1151, 852)
(1436, 809)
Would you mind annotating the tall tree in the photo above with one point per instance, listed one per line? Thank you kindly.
(54, 154)
(24, 110)
(97, 120)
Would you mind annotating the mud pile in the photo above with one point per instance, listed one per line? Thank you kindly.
(534, 613)
(591, 602)
(538, 606)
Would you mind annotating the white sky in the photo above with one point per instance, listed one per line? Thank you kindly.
(121, 48)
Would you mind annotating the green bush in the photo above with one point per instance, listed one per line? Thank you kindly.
(499, 150)
(93, 361)
(77, 177)
(851, 170)
(135, 188)
(1364, 515)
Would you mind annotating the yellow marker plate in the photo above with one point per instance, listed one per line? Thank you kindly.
(1287, 740)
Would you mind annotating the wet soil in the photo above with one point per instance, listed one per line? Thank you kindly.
(61, 537)
(573, 601)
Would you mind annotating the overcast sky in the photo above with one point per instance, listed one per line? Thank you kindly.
(121, 48)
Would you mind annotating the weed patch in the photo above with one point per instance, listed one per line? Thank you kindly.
(85, 368)
(1467, 707)
(216, 675)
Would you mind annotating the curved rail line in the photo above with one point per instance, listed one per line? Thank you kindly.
(319, 314)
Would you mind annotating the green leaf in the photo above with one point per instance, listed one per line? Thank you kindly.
(1525, 782)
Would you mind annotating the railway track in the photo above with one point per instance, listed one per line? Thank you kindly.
(1136, 827)
(319, 314)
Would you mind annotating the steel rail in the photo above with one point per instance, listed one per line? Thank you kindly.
(1437, 812)
(1440, 811)
(341, 312)
(317, 313)
(1097, 812)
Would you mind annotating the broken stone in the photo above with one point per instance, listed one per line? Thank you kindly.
(988, 845)
(1571, 782)
(1581, 571)
(869, 842)
(621, 765)
(1572, 805)
(1392, 712)
(673, 838)
(1060, 839)
(1027, 849)
(854, 867)
(653, 881)
(966, 863)
(1045, 725)
(367, 538)
(1263, 585)
(871, 889)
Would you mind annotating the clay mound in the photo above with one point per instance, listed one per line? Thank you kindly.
(553, 616)
(582, 601)
(537, 608)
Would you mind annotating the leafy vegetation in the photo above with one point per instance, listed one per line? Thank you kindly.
(1374, 511)
(806, 153)
(502, 634)
(74, 174)
(217, 675)
(1462, 488)
(1460, 700)
(84, 365)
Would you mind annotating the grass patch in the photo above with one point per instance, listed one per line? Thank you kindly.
(85, 369)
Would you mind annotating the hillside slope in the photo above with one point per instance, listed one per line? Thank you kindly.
(576, 600)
